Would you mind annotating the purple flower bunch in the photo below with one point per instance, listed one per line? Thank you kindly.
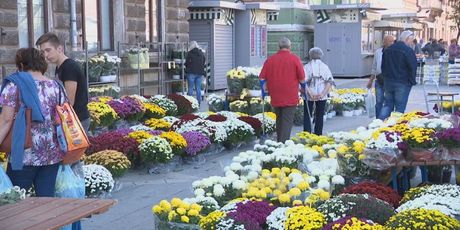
(449, 138)
(196, 142)
(128, 108)
(124, 131)
(253, 214)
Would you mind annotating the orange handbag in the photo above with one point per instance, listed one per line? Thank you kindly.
(71, 134)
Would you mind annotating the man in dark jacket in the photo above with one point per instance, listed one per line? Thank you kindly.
(434, 49)
(399, 66)
(194, 64)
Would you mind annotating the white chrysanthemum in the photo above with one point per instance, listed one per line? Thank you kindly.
(218, 190)
(338, 180)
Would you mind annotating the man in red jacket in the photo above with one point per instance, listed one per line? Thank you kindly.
(283, 72)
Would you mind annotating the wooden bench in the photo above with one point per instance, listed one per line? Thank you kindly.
(49, 212)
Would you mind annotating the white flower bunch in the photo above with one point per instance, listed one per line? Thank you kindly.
(214, 99)
(341, 137)
(231, 205)
(156, 150)
(141, 127)
(135, 50)
(193, 101)
(97, 179)
(382, 142)
(214, 130)
(268, 147)
(207, 202)
(202, 115)
(326, 166)
(170, 119)
(376, 124)
(139, 97)
(228, 114)
(164, 102)
(267, 122)
(103, 89)
(235, 125)
(218, 186)
(111, 59)
(443, 190)
(334, 209)
(247, 165)
(446, 204)
(290, 154)
(433, 123)
(226, 224)
(277, 219)
(12, 194)
(254, 71)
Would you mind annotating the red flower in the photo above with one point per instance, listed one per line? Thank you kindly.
(216, 118)
(254, 123)
(377, 190)
(183, 105)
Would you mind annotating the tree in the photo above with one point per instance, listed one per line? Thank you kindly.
(454, 15)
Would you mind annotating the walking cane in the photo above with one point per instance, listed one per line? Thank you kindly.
(305, 101)
(262, 83)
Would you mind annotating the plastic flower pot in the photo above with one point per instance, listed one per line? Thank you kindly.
(346, 113)
(417, 154)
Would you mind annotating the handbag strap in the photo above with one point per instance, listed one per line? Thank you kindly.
(61, 92)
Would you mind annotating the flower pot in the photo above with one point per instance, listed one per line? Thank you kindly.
(357, 112)
(420, 154)
(255, 93)
(140, 60)
(330, 115)
(176, 77)
(348, 113)
(108, 78)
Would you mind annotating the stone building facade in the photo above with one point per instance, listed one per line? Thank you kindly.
(126, 21)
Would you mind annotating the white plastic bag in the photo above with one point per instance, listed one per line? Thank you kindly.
(370, 103)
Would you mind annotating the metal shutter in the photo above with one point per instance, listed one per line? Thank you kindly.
(223, 55)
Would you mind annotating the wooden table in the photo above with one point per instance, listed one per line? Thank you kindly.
(422, 164)
(49, 212)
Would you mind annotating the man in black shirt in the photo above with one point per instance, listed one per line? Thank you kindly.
(70, 73)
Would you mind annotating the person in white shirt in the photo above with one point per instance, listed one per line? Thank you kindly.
(319, 83)
(376, 74)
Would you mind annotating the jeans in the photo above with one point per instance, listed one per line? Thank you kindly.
(319, 116)
(284, 122)
(194, 81)
(42, 177)
(379, 98)
(396, 97)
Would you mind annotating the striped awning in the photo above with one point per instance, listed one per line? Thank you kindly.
(205, 14)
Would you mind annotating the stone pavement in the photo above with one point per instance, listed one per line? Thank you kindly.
(140, 191)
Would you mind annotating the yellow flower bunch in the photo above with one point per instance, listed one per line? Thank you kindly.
(239, 106)
(304, 218)
(104, 99)
(3, 157)
(407, 116)
(140, 136)
(421, 219)
(271, 115)
(419, 138)
(236, 74)
(350, 90)
(153, 111)
(357, 224)
(273, 185)
(413, 193)
(209, 222)
(101, 114)
(158, 124)
(310, 139)
(317, 195)
(116, 162)
(177, 141)
(177, 211)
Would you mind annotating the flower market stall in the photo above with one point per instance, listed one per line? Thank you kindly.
(328, 182)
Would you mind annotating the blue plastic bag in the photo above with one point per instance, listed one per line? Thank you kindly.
(69, 185)
(5, 182)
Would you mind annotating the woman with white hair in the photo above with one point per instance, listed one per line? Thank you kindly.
(319, 83)
(194, 68)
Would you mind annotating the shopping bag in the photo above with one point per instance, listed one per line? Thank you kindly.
(69, 185)
(5, 182)
(71, 135)
(370, 104)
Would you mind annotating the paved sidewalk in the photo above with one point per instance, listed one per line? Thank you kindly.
(141, 191)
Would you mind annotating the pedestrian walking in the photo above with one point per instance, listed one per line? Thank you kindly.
(38, 165)
(319, 83)
(454, 51)
(434, 49)
(377, 75)
(282, 73)
(194, 67)
(399, 68)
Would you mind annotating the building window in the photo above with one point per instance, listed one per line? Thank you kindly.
(152, 22)
(98, 24)
(31, 22)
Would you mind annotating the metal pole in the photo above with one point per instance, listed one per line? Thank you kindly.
(73, 24)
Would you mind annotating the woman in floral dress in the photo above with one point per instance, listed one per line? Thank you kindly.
(40, 163)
